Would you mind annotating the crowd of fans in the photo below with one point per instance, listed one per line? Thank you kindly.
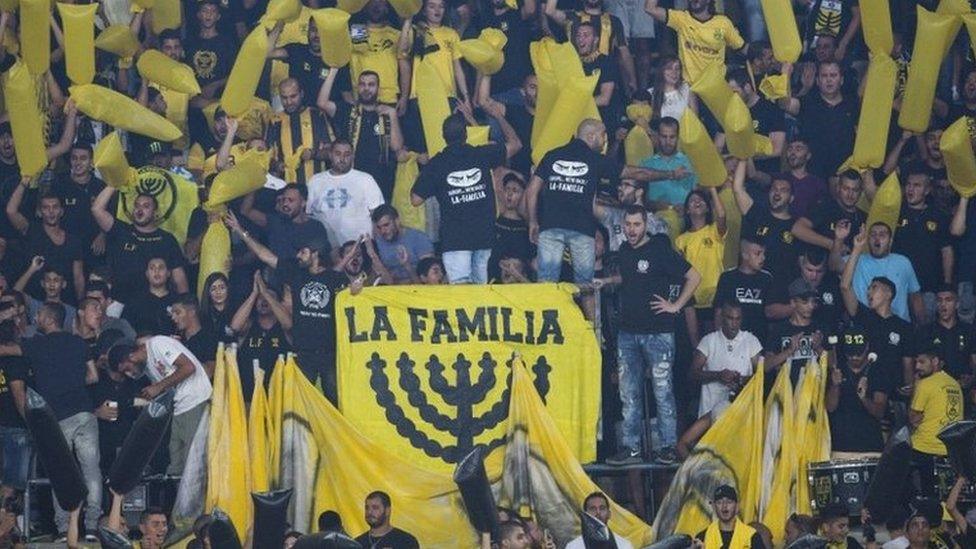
(99, 311)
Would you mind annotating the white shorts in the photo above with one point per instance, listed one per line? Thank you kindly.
(637, 23)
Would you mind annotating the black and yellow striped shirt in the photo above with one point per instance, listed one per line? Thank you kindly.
(307, 129)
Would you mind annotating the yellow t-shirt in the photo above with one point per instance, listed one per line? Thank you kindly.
(704, 249)
(701, 43)
(939, 398)
(446, 41)
(378, 53)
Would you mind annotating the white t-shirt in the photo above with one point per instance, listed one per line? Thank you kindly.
(343, 203)
(724, 354)
(901, 542)
(577, 543)
(161, 355)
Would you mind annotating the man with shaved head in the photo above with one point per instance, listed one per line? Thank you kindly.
(300, 135)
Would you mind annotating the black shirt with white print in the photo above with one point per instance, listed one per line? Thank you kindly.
(649, 270)
(750, 291)
(570, 177)
(313, 304)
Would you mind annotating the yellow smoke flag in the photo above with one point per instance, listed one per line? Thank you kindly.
(876, 22)
(433, 103)
(938, 31)
(638, 144)
(166, 14)
(875, 119)
(79, 40)
(712, 88)
(775, 86)
(245, 177)
(228, 472)
(886, 206)
(158, 67)
(779, 474)
(957, 150)
(406, 8)
(478, 135)
(214, 253)
(739, 134)
(26, 123)
(259, 433)
(109, 159)
(336, 43)
(406, 175)
(118, 39)
(573, 105)
(117, 110)
(283, 10)
(701, 151)
(177, 198)
(811, 427)
(783, 34)
(34, 30)
(729, 453)
(244, 77)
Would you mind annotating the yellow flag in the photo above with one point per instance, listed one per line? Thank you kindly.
(433, 103)
(176, 196)
(729, 453)
(779, 475)
(811, 427)
(259, 431)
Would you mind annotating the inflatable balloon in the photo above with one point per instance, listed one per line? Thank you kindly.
(9, 6)
(960, 441)
(34, 29)
(166, 14)
(775, 86)
(482, 56)
(109, 159)
(494, 37)
(117, 110)
(141, 444)
(158, 67)
(244, 77)
(52, 450)
(283, 10)
(336, 43)
(245, 177)
(118, 39)
(739, 134)
(214, 253)
(270, 517)
(939, 31)
(79, 40)
(954, 7)
(433, 104)
(472, 482)
(886, 206)
(406, 8)
(638, 144)
(573, 104)
(351, 6)
(406, 174)
(957, 150)
(712, 88)
(26, 123)
(701, 151)
(783, 34)
(875, 119)
(876, 23)
(478, 135)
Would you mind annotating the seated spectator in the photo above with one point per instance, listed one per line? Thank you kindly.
(798, 526)
(399, 248)
(835, 526)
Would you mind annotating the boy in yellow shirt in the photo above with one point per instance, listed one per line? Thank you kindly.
(937, 401)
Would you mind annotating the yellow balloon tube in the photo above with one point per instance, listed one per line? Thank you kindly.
(244, 77)
(243, 178)
(783, 34)
(26, 124)
(109, 160)
(876, 23)
(433, 103)
(478, 135)
(283, 10)
(351, 6)
(938, 31)
(714, 90)
(119, 111)
(957, 150)
(775, 86)
(482, 55)
(79, 41)
(214, 252)
(406, 8)
(886, 206)
(701, 151)
(34, 30)
(495, 37)
(336, 44)
(411, 216)
(117, 39)
(739, 135)
(573, 105)
(638, 144)
(166, 14)
(875, 119)
(158, 67)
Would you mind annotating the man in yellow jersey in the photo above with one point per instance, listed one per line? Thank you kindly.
(610, 37)
(702, 35)
(936, 402)
(375, 48)
(300, 135)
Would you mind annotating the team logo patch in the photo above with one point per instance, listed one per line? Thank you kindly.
(159, 184)
(570, 168)
(315, 295)
(643, 265)
(464, 178)
(894, 338)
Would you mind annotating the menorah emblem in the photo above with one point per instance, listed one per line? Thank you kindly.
(463, 395)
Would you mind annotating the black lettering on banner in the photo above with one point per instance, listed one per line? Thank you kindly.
(381, 323)
(468, 326)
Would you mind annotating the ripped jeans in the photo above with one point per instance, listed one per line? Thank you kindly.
(635, 353)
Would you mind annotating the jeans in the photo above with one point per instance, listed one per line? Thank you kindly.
(15, 451)
(467, 266)
(635, 352)
(81, 432)
(552, 244)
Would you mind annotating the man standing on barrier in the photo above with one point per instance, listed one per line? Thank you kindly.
(936, 402)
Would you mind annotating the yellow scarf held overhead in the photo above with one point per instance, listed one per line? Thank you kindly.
(741, 536)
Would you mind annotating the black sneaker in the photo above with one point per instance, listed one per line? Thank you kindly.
(625, 456)
(666, 456)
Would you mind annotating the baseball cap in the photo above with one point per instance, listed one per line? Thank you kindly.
(802, 289)
(854, 341)
(725, 492)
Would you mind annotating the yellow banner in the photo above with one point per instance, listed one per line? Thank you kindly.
(426, 371)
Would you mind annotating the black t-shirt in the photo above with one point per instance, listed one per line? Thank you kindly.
(211, 58)
(825, 216)
(111, 434)
(78, 219)
(778, 338)
(829, 130)
(261, 345)
(511, 239)
(129, 250)
(766, 119)
(852, 428)
(759, 225)
(517, 61)
(149, 313)
(891, 339)
(313, 304)
(570, 177)
(9, 180)
(957, 345)
(373, 153)
(58, 363)
(646, 271)
(59, 257)
(755, 542)
(286, 237)
(608, 74)
(203, 345)
(461, 180)
(394, 539)
(920, 237)
(12, 368)
(311, 72)
(521, 120)
(828, 312)
(749, 290)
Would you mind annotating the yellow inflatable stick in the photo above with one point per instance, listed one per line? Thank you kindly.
(954, 7)
(406, 8)
(123, 113)
(957, 149)
(886, 206)
(701, 151)
(637, 144)
(482, 55)
(214, 252)
(875, 119)
(283, 10)
(938, 32)
(294, 32)
(336, 44)
(244, 77)
(26, 123)
(351, 6)
(478, 135)
(433, 103)
(34, 30)
(109, 160)
(548, 87)
(406, 174)
(495, 37)
(876, 22)
(739, 135)
(158, 67)
(573, 105)
(195, 158)
(775, 86)
(166, 14)
(783, 34)
(79, 41)
(244, 177)
(712, 88)
(145, 4)
(118, 39)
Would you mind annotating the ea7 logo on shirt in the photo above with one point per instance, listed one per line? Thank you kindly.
(570, 168)
(315, 295)
(643, 265)
(465, 178)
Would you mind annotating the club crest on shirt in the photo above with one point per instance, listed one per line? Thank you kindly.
(464, 178)
(828, 298)
(315, 295)
(643, 265)
(570, 168)
(931, 226)
(894, 338)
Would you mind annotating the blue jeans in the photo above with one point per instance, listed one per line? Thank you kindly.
(552, 244)
(81, 433)
(467, 266)
(635, 353)
(15, 448)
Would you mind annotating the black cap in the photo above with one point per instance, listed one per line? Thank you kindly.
(725, 492)
(119, 354)
(930, 508)
(108, 339)
(854, 341)
(928, 346)
(801, 289)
